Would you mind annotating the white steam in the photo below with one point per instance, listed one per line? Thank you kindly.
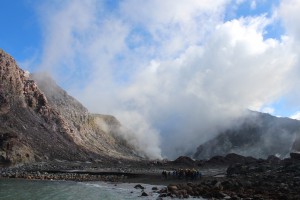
(173, 72)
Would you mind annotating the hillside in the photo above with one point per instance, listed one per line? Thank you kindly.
(258, 135)
(40, 121)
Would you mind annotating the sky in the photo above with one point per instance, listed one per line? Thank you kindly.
(175, 72)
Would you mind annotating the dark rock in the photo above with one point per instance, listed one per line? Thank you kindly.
(295, 156)
(235, 169)
(163, 195)
(273, 159)
(144, 194)
(218, 185)
(139, 186)
(218, 195)
(217, 160)
(233, 158)
(154, 188)
(184, 160)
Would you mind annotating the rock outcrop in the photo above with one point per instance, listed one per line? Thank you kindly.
(258, 135)
(96, 132)
(40, 121)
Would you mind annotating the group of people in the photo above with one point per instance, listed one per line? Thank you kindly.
(188, 174)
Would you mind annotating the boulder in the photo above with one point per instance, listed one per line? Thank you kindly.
(154, 188)
(139, 186)
(144, 194)
(172, 187)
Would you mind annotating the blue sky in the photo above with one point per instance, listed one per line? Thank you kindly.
(21, 34)
(156, 61)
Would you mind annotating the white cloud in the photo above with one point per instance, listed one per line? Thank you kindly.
(173, 24)
(269, 110)
(296, 116)
(186, 76)
(288, 12)
(253, 5)
(65, 25)
(208, 85)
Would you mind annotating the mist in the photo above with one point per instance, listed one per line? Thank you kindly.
(174, 79)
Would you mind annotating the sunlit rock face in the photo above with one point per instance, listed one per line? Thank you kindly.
(40, 121)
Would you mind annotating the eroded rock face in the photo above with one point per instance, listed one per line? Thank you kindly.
(40, 121)
(95, 132)
(12, 98)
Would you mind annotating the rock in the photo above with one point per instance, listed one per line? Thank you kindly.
(39, 121)
(235, 169)
(184, 160)
(163, 195)
(139, 186)
(219, 195)
(172, 187)
(273, 159)
(154, 188)
(218, 185)
(233, 158)
(144, 194)
(295, 156)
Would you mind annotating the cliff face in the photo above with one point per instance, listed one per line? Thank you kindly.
(40, 121)
(98, 133)
(258, 135)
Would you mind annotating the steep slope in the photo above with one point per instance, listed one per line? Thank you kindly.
(35, 128)
(258, 135)
(98, 133)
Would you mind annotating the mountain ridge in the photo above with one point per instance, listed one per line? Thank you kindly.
(257, 134)
(45, 124)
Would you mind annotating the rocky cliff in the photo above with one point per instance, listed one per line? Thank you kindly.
(40, 121)
(258, 135)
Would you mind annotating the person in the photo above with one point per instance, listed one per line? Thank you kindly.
(199, 175)
(164, 174)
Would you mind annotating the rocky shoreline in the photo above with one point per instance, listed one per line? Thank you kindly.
(80, 177)
(248, 178)
(258, 179)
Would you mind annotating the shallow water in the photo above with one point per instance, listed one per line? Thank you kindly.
(51, 190)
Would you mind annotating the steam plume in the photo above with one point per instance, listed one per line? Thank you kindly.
(174, 73)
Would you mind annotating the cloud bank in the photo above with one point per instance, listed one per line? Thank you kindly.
(173, 72)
